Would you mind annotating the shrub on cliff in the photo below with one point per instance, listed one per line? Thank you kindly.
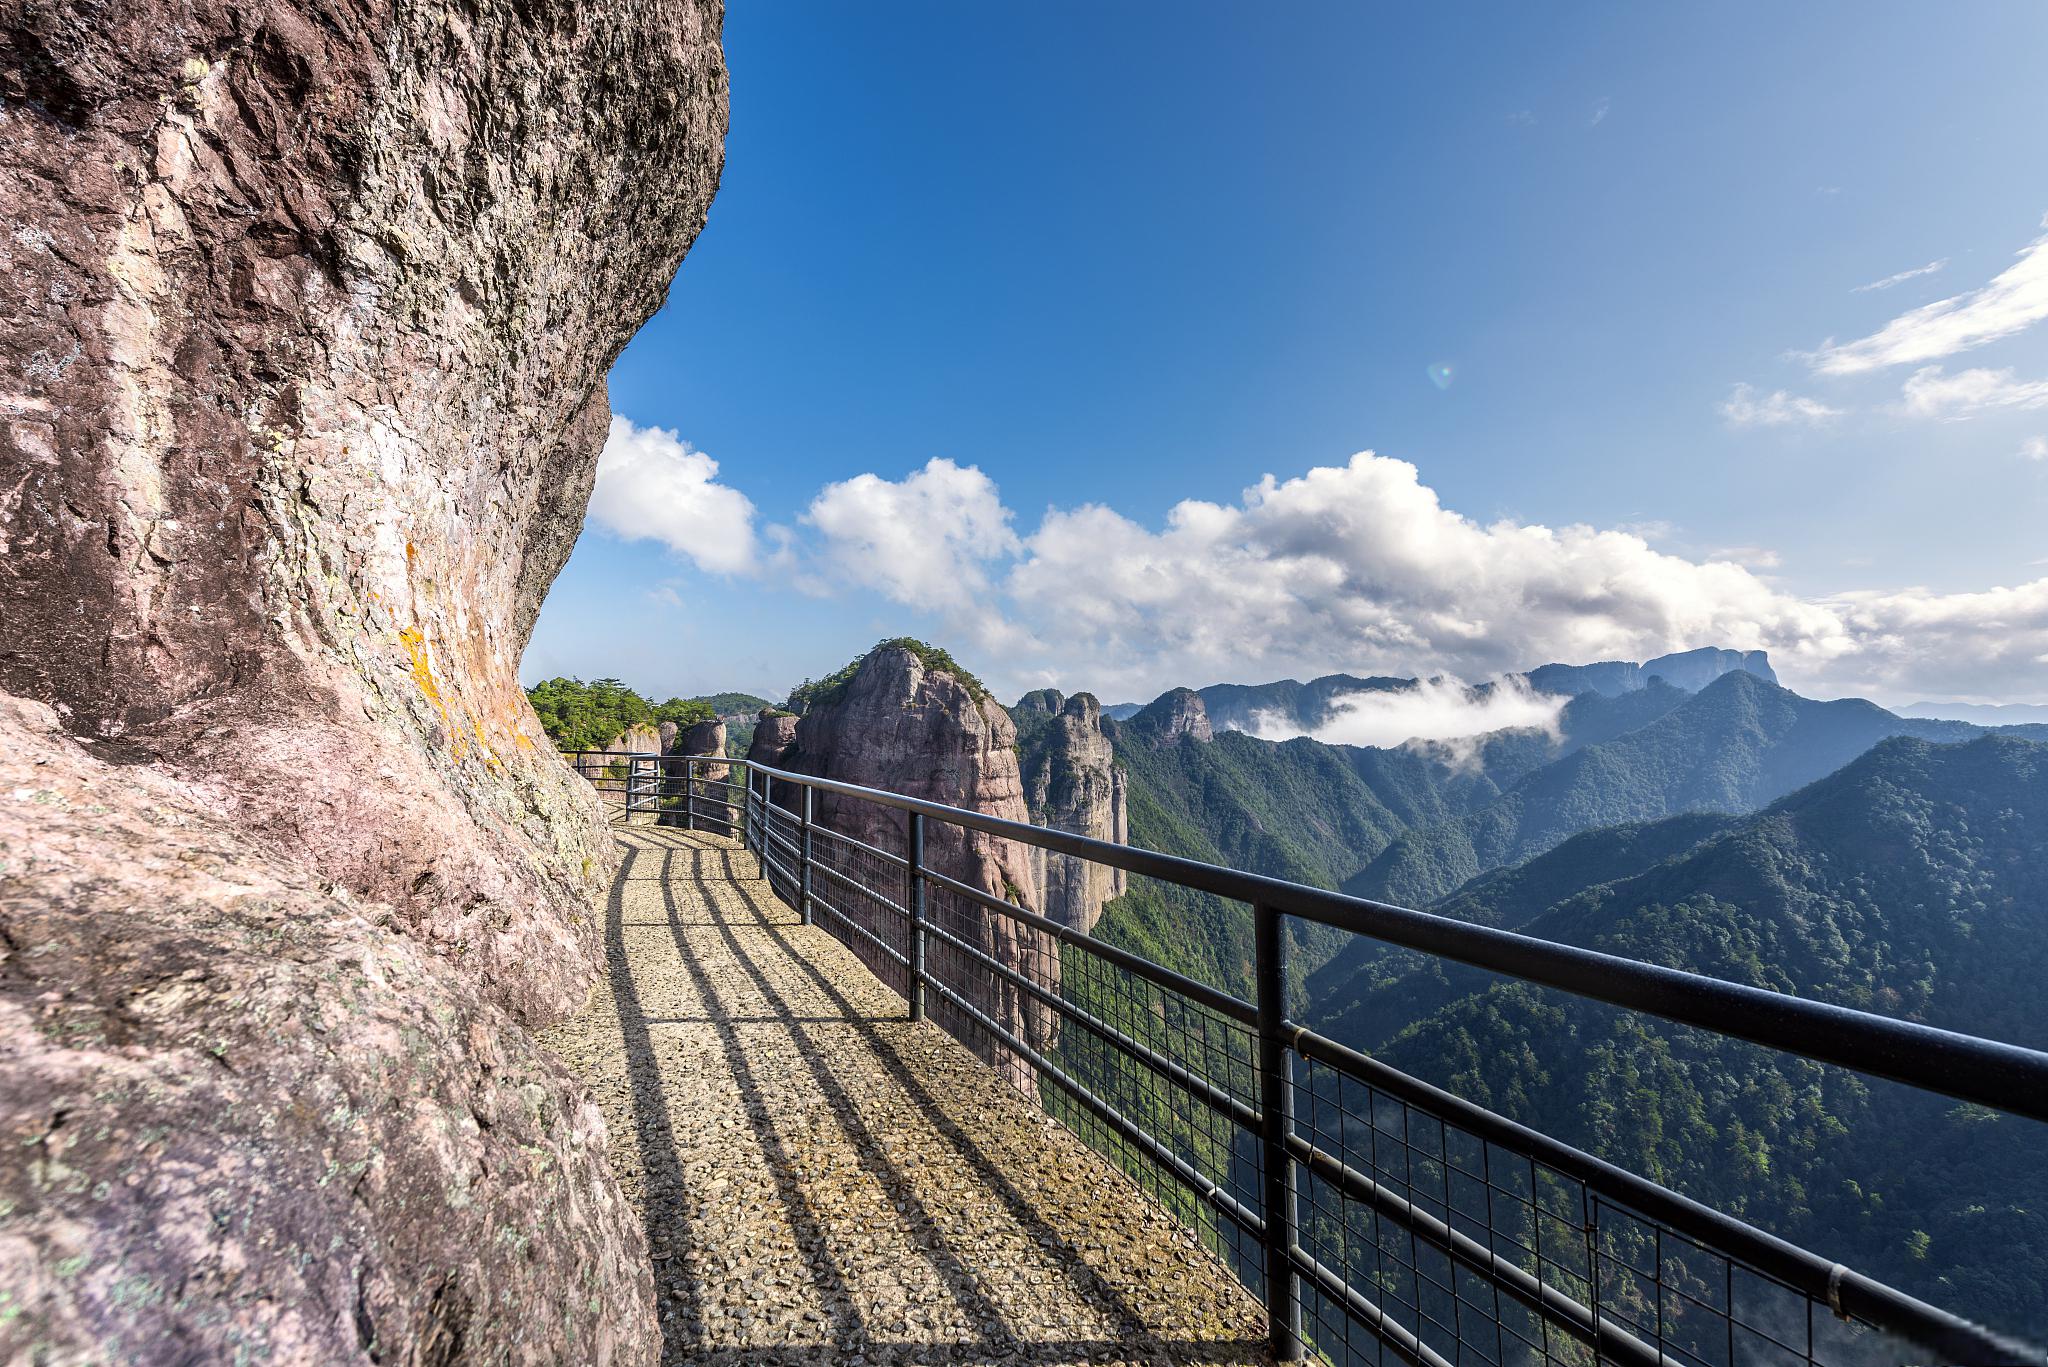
(816, 692)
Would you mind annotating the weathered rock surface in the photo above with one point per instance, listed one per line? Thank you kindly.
(1072, 783)
(925, 733)
(250, 1117)
(1048, 701)
(644, 740)
(774, 733)
(710, 805)
(305, 310)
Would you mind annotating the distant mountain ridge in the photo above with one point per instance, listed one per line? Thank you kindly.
(1734, 746)
(1690, 670)
(1982, 714)
(1289, 705)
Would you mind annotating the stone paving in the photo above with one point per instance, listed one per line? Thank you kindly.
(824, 1182)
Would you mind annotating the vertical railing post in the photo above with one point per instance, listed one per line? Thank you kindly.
(758, 823)
(747, 813)
(689, 792)
(1276, 1113)
(803, 892)
(914, 895)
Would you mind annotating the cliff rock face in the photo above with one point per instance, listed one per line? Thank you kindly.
(644, 740)
(248, 1118)
(1073, 783)
(710, 807)
(924, 733)
(1046, 700)
(773, 735)
(305, 310)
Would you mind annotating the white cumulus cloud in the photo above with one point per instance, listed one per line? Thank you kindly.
(1360, 567)
(652, 486)
(2014, 301)
(2035, 448)
(924, 540)
(1930, 393)
(1744, 407)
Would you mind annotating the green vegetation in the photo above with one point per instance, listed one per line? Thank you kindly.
(731, 704)
(590, 716)
(817, 692)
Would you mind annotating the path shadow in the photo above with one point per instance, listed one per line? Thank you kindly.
(1088, 1283)
(653, 1130)
(752, 923)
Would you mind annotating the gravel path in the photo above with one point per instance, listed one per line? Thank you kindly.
(823, 1182)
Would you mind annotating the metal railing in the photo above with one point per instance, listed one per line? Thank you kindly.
(1379, 1217)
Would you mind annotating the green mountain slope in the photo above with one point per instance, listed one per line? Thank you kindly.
(1914, 882)
(1368, 990)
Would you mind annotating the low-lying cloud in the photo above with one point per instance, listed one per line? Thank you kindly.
(1442, 713)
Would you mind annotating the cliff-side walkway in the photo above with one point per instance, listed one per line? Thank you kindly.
(823, 1181)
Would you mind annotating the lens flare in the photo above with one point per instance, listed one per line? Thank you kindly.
(1440, 375)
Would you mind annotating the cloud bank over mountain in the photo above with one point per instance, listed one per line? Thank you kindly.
(1436, 712)
(1355, 567)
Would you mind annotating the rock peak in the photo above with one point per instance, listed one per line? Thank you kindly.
(1073, 783)
(900, 720)
(1175, 713)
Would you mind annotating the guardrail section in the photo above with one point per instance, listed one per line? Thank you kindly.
(1378, 1217)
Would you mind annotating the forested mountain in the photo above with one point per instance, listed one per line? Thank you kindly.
(1369, 990)
(590, 716)
(1735, 745)
(1299, 809)
(1911, 883)
(1824, 848)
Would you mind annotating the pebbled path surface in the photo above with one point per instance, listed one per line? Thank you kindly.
(824, 1182)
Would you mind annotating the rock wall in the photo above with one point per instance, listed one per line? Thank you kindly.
(924, 733)
(1072, 783)
(248, 1118)
(307, 309)
(774, 734)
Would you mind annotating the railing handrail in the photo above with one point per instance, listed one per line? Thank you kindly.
(2002, 1076)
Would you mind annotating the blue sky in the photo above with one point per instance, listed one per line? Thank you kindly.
(1108, 261)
